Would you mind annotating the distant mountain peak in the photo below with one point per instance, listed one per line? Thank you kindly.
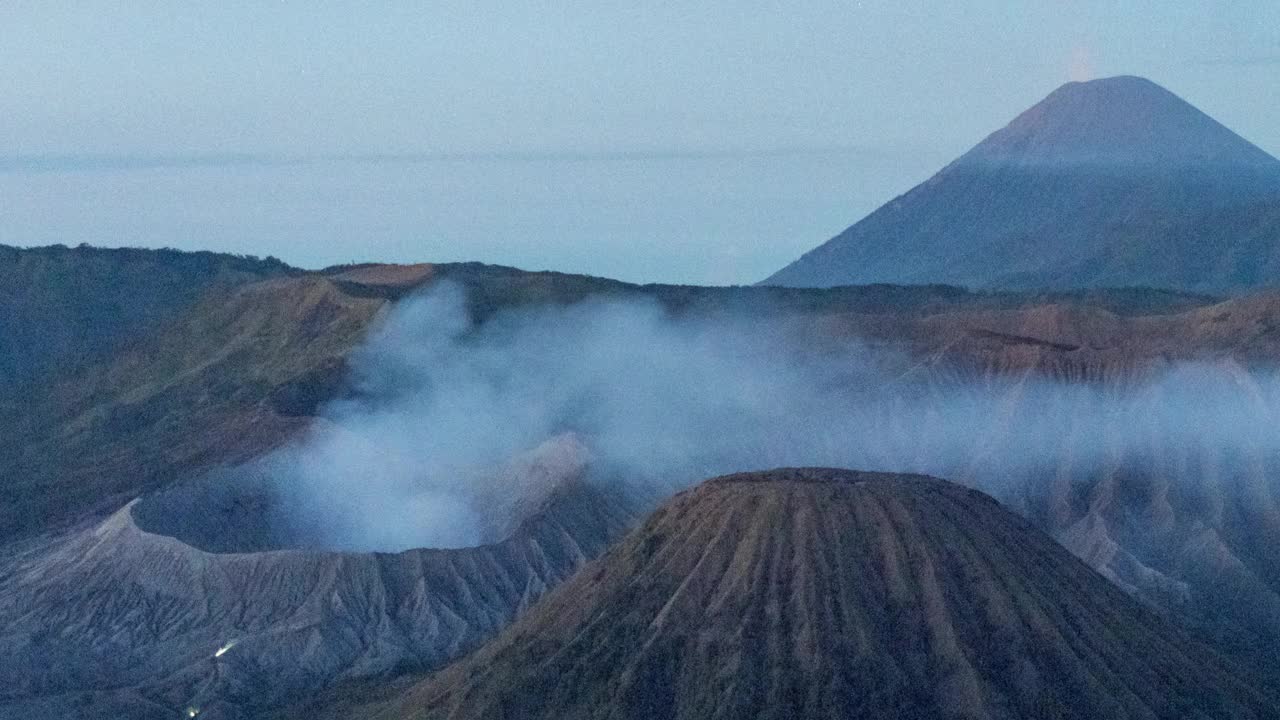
(1123, 120)
(1106, 183)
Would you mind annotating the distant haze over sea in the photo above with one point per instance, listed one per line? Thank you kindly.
(717, 217)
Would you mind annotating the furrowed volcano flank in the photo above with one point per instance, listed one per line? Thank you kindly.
(1110, 182)
(822, 593)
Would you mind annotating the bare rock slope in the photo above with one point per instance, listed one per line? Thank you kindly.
(114, 620)
(821, 593)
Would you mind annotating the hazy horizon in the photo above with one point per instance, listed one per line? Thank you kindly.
(703, 145)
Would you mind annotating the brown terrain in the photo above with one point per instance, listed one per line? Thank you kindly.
(818, 593)
(117, 584)
(229, 379)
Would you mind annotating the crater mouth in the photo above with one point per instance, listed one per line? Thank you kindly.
(227, 511)
(258, 507)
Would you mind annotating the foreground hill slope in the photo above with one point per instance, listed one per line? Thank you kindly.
(1110, 182)
(823, 593)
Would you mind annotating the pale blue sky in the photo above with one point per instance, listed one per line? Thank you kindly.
(764, 127)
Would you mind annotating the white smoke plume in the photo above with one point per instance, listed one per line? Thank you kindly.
(660, 401)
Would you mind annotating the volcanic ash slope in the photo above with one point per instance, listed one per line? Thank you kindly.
(127, 620)
(819, 593)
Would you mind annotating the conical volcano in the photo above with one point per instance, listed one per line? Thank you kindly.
(1117, 122)
(1111, 182)
(819, 593)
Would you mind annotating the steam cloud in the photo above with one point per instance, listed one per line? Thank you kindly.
(659, 402)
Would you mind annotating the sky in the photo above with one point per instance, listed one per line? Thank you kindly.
(705, 142)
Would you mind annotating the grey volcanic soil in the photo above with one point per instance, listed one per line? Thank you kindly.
(115, 621)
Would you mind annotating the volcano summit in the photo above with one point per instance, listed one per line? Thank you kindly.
(1110, 182)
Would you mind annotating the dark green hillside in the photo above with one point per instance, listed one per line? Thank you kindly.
(62, 307)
